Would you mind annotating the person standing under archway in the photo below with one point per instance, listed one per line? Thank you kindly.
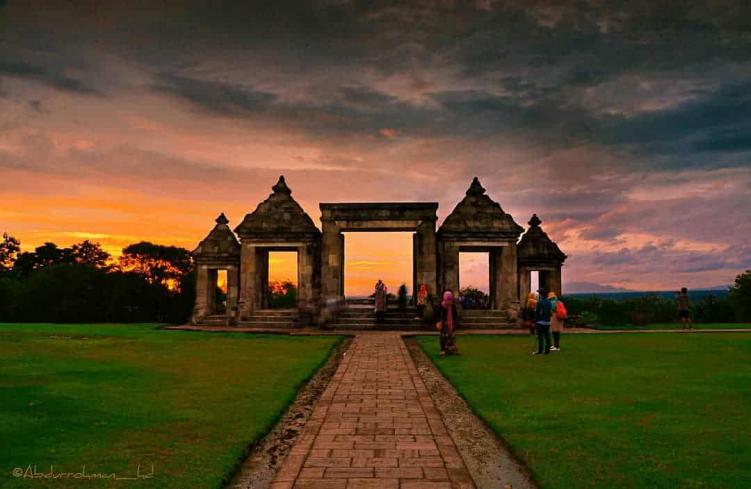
(380, 299)
(448, 324)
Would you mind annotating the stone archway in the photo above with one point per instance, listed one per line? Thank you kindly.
(478, 223)
(418, 217)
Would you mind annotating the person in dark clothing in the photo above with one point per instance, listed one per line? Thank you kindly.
(684, 308)
(542, 322)
(448, 324)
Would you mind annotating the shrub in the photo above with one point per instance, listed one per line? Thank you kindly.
(473, 298)
(282, 295)
(740, 296)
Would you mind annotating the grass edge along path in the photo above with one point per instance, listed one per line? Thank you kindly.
(673, 326)
(115, 396)
(615, 411)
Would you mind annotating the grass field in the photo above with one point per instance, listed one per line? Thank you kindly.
(615, 411)
(111, 397)
(697, 326)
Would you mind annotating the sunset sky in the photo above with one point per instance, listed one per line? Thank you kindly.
(625, 126)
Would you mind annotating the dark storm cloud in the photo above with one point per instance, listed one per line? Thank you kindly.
(529, 64)
(343, 110)
(52, 78)
(219, 97)
(697, 125)
(667, 258)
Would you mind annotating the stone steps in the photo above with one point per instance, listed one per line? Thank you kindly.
(486, 319)
(361, 316)
(271, 318)
(217, 320)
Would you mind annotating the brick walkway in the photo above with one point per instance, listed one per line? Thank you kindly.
(375, 426)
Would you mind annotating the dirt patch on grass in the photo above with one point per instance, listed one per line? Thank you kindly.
(488, 459)
(257, 471)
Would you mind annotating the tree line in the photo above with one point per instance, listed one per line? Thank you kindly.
(83, 283)
(730, 307)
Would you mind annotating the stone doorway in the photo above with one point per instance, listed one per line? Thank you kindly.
(370, 256)
(337, 219)
(219, 300)
(475, 273)
(281, 272)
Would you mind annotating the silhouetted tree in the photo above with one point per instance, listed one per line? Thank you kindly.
(740, 296)
(282, 295)
(91, 254)
(9, 249)
(167, 265)
(43, 256)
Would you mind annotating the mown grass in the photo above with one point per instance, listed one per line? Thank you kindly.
(615, 411)
(111, 397)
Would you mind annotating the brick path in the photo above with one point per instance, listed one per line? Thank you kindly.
(375, 426)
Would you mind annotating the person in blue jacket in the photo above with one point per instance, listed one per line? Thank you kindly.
(542, 322)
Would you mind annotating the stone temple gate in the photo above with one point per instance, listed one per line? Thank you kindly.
(477, 223)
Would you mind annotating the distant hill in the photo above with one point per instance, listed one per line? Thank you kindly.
(694, 294)
(585, 287)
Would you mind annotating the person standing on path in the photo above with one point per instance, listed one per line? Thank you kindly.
(684, 308)
(422, 300)
(380, 300)
(542, 322)
(448, 324)
(556, 322)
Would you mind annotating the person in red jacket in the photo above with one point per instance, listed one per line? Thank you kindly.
(556, 322)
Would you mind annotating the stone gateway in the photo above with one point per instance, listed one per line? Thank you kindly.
(477, 223)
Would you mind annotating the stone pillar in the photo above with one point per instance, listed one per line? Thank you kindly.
(543, 279)
(415, 253)
(509, 281)
(525, 280)
(450, 262)
(497, 284)
(262, 279)
(554, 281)
(425, 258)
(200, 309)
(332, 269)
(211, 291)
(306, 283)
(246, 303)
(233, 278)
(341, 266)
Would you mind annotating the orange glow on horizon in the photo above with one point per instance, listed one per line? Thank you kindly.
(283, 266)
(372, 256)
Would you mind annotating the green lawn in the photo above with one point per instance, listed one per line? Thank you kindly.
(111, 397)
(615, 411)
(679, 326)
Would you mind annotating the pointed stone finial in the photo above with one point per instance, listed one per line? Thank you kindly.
(534, 221)
(475, 188)
(222, 219)
(281, 186)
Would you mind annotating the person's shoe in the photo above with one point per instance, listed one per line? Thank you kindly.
(442, 353)
(554, 348)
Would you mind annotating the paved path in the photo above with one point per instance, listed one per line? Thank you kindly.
(375, 426)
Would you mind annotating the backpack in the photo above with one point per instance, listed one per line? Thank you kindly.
(560, 310)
